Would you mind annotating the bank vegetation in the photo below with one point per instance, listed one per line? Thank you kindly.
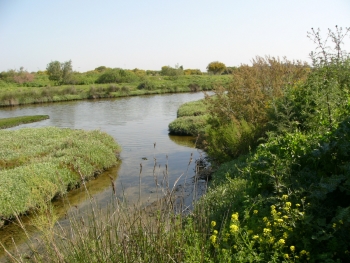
(278, 137)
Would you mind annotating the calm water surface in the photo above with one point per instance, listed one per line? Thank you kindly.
(136, 123)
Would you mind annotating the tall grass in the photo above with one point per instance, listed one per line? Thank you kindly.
(123, 232)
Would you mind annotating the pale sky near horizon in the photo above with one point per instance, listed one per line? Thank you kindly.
(151, 34)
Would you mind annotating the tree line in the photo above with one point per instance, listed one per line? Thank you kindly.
(60, 73)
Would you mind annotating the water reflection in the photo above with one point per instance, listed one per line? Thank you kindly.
(136, 123)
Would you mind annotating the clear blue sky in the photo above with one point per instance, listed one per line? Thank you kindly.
(149, 34)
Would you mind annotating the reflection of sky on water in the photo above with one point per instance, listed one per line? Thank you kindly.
(135, 123)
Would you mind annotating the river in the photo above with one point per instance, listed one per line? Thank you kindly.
(140, 125)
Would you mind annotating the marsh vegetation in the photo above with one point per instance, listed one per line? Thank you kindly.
(278, 140)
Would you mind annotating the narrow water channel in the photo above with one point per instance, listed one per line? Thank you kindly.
(139, 125)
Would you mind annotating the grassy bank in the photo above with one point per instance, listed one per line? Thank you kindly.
(15, 121)
(192, 118)
(38, 164)
(10, 96)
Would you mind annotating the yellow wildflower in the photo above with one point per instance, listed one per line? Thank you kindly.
(233, 228)
(255, 211)
(215, 232)
(285, 235)
(255, 236)
(292, 248)
(286, 256)
(297, 205)
(266, 231)
(234, 217)
(213, 223)
(213, 239)
(281, 241)
(284, 197)
(303, 252)
(288, 204)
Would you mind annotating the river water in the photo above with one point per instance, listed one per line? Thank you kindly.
(140, 125)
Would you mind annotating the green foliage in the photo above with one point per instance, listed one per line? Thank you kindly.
(15, 121)
(288, 200)
(241, 109)
(216, 67)
(38, 164)
(172, 72)
(192, 108)
(230, 140)
(19, 77)
(60, 73)
(192, 72)
(188, 125)
(117, 76)
(147, 85)
(101, 69)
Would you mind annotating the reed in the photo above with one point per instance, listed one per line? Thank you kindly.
(164, 230)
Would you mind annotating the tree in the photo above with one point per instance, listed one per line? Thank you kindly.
(60, 72)
(100, 69)
(173, 72)
(216, 67)
(67, 71)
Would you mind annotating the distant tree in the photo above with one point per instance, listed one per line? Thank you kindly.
(192, 72)
(152, 72)
(173, 72)
(101, 69)
(60, 72)
(216, 67)
(20, 76)
(67, 71)
(54, 71)
(229, 70)
(117, 75)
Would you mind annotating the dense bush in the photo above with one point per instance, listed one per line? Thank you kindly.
(247, 100)
(288, 200)
(117, 76)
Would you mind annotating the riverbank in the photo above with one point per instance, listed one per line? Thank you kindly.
(12, 96)
(39, 164)
(192, 118)
(15, 121)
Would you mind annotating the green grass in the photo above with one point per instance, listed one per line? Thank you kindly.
(191, 119)
(38, 164)
(15, 121)
(192, 108)
(10, 95)
(188, 125)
